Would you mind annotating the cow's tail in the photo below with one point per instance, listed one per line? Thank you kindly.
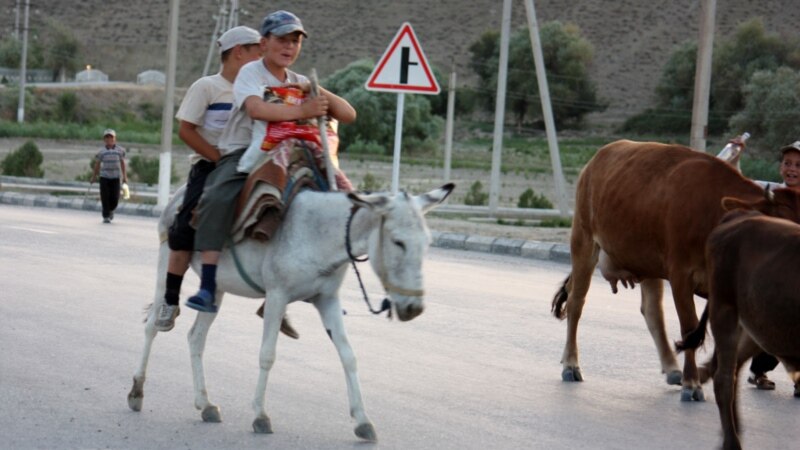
(560, 299)
(696, 337)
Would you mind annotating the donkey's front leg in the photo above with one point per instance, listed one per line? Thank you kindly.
(275, 308)
(197, 344)
(330, 311)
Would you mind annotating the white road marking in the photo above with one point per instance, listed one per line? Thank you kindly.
(35, 230)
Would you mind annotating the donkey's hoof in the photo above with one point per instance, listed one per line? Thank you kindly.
(689, 394)
(262, 425)
(211, 414)
(136, 395)
(366, 431)
(135, 402)
(675, 378)
(572, 374)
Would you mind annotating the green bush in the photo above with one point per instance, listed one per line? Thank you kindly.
(771, 111)
(145, 170)
(67, 107)
(761, 169)
(360, 147)
(87, 176)
(371, 183)
(561, 222)
(476, 196)
(530, 199)
(26, 161)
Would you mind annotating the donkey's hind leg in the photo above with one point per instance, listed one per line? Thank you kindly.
(197, 344)
(330, 311)
(136, 395)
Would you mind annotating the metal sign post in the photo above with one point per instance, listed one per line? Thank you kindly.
(403, 69)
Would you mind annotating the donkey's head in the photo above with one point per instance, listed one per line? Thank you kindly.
(398, 244)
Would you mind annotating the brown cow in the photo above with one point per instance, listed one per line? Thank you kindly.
(754, 303)
(650, 207)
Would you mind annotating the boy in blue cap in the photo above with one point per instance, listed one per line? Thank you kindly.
(282, 39)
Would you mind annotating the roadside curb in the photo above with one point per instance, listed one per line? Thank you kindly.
(548, 251)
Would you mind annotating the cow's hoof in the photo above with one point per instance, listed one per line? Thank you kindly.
(262, 425)
(689, 394)
(675, 378)
(572, 374)
(211, 414)
(366, 431)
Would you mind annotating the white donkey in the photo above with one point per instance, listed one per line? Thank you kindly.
(307, 260)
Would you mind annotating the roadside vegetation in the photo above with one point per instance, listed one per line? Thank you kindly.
(756, 88)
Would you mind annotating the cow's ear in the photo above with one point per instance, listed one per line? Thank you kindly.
(731, 203)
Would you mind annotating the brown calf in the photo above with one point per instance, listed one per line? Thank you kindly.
(754, 303)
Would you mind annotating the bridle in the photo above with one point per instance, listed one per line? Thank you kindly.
(386, 304)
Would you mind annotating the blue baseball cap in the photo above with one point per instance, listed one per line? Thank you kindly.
(281, 23)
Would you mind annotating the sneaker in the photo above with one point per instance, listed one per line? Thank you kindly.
(111, 216)
(106, 220)
(761, 382)
(203, 301)
(166, 317)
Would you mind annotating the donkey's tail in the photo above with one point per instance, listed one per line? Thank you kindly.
(560, 299)
(696, 337)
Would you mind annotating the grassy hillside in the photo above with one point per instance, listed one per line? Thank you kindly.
(631, 38)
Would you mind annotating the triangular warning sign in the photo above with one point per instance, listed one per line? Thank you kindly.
(403, 67)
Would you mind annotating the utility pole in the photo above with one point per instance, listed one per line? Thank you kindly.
(500, 109)
(212, 47)
(233, 19)
(448, 134)
(16, 20)
(165, 159)
(547, 109)
(702, 76)
(23, 71)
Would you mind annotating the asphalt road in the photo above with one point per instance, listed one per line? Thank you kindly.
(479, 369)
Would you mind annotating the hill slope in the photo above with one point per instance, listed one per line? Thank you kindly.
(632, 39)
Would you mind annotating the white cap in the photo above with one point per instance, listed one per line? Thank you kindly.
(108, 132)
(238, 36)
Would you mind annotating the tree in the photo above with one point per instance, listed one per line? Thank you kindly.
(567, 57)
(10, 52)
(771, 111)
(736, 58)
(63, 50)
(376, 113)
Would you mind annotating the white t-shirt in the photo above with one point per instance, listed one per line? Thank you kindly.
(208, 104)
(253, 77)
(771, 185)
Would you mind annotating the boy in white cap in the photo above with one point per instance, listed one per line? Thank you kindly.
(203, 114)
(283, 36)
(110, 166)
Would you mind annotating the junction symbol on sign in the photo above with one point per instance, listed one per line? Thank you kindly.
(403, 67)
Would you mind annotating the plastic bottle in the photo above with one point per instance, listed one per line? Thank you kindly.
(734, 148)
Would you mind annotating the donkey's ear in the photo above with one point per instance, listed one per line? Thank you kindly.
(369, 201)
(434, 198)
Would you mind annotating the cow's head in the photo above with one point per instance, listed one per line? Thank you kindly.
(783, 203)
